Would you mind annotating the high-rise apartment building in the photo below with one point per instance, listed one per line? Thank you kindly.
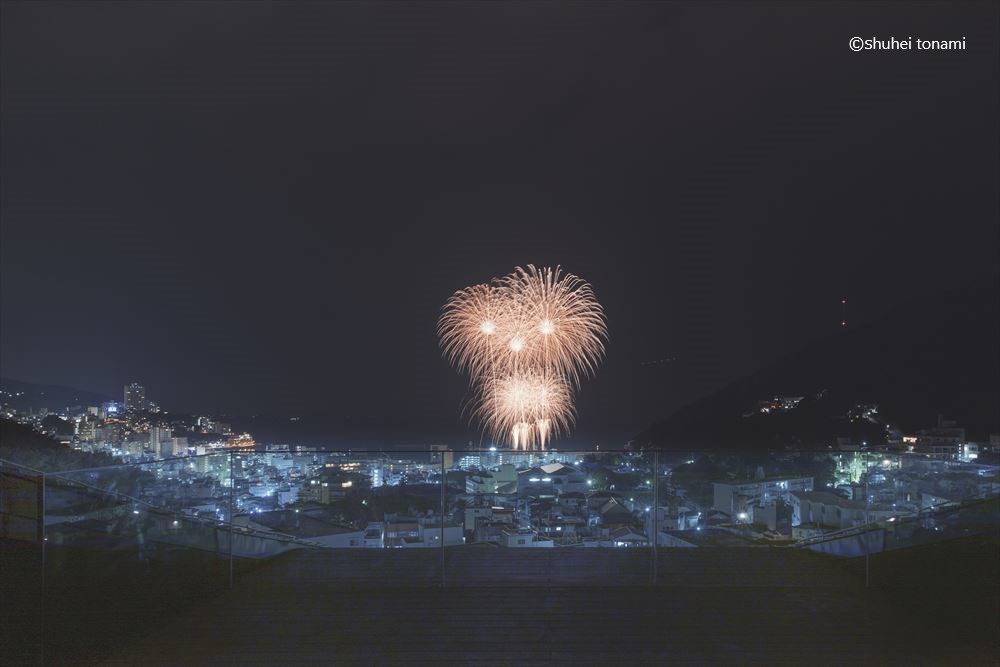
(160, 442)
(135, 398)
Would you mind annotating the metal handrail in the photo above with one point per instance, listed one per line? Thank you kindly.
(154, 509)
(911, 517)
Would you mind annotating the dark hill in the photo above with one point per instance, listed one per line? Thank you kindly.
(22, 445)
(937, 355)
(22, 396)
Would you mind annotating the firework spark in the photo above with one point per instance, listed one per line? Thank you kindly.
(470, 326)
(557, 324)
(527, 407)
(526, 340)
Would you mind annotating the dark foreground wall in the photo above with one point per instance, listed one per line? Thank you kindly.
(476, 566)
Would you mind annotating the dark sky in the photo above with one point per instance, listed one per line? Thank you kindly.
(261, 207)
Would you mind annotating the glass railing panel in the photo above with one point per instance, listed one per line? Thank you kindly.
(180, 530)
(118, 537)
(303, 499)
(352, 508)
(405, 503)
(973, 517)
(683, 497)
(149, 508)
(21, 561)
(537, 517)
(611, 522)
(475, 517)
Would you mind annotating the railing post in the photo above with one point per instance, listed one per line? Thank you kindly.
(442, 518)
(864, 535)
(41, 631)
(232, 536)
(656, 504)
(41, 518)
(867, 576)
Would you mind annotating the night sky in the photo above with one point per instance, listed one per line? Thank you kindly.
(260, 208)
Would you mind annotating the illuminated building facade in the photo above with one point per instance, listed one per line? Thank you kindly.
(135, 398)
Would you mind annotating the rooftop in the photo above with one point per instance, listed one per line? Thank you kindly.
(710, 537)
(299, 524)
(828, 498)
(762, 480)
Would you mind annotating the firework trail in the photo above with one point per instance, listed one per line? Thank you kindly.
(526, 341)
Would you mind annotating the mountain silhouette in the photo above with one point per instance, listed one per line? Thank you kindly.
(937, 355)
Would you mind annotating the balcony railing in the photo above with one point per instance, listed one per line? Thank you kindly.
(170, 532)
(260, 504)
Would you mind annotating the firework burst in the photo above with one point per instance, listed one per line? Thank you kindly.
(526, 340)
(526, 407)
(470, 327)
(558, 323)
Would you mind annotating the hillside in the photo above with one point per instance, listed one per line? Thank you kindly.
(22, 396)
(22, 445)
(935, 355)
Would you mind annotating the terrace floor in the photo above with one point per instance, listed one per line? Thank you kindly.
(285, 614)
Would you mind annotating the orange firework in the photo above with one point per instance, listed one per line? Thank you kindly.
(526, 407)
(470, 326)
(558, 323)
(526, 340)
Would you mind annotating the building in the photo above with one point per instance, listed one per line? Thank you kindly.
(314, 526)
(550, 479)
(521, 538)
(675, 516)
(133, 447)
(442, 454)
(161, 442)
(135, 398)
(702, 537)
(823, 509)
(969, 452)
(503, 480)
(474, 514)
(613, 515)
(178, 446)
(480, 483)
(404, 531)
(735, 498)
(944, 440)
(87, 427)
(110, 409)
(625, 536)
(470, 462)
(775, 517)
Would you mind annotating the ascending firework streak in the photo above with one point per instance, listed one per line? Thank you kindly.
(526, 340)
